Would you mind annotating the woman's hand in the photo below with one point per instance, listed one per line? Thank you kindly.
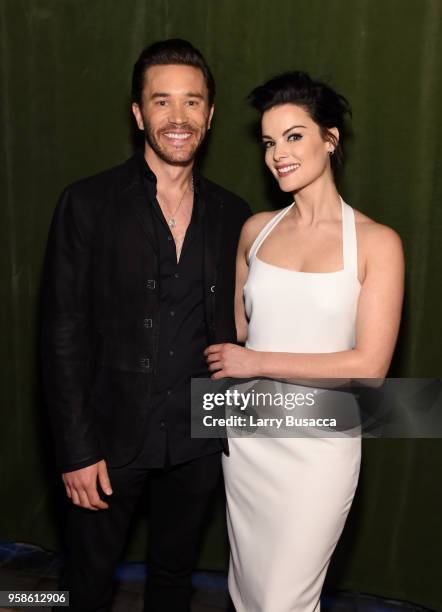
(230, 360)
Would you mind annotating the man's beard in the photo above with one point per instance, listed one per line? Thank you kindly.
(174, 159)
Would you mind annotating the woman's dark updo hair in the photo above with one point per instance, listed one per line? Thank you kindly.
(325, 106)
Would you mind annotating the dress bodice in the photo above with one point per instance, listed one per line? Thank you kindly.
(303, 312)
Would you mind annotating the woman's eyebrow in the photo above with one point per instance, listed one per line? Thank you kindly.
(285, 131)
(292, 128)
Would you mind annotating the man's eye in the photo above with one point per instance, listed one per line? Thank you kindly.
(193, 103)
(161, 102)
(293, 137)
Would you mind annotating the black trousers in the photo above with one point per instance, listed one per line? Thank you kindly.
(179, 497)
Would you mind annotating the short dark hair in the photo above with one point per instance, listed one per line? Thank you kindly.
(325, 106)
(167, 52)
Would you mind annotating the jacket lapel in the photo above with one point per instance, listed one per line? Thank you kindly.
(135, 197)
(213, 230)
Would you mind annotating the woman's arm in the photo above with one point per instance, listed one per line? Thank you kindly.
(377, 325)
(250, 230)
(242, 270)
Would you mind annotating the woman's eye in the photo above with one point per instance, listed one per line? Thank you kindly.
(294, 137)
(267, 144)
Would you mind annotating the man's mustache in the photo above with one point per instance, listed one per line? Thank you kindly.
(178, 126)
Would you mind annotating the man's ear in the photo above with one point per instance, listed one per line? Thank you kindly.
(138, 116)
(211, 111)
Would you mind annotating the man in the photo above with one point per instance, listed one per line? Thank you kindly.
(139, 279)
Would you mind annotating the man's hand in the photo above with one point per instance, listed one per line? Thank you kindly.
(81, 486)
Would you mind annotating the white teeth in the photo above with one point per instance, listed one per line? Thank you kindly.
(288, 168)
(177, 136)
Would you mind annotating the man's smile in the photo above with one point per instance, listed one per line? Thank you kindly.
(180, 136)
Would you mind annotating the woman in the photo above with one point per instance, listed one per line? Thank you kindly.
(319, 295)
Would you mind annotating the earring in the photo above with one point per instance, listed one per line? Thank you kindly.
(331, 152)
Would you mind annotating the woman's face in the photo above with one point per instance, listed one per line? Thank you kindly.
(295, 151)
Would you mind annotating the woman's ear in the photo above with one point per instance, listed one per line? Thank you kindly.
(332, 139)
(334, 133)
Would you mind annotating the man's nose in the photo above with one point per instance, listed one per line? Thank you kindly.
(177, 113)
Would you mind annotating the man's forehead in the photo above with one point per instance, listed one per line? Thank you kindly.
(174, 77)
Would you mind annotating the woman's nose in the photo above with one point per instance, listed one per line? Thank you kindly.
(280, 151)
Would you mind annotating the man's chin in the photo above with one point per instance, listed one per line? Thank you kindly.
(177, 159)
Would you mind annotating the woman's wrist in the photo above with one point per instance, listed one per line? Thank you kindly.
(261, 363)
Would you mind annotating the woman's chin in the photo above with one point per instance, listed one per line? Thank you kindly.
(288, 186)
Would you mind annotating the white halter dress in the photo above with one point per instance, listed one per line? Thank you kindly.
(288, 498)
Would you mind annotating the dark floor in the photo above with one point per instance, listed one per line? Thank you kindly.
(25, 567)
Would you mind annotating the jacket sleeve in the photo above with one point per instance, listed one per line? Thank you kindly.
(67, 351)
(245, 212)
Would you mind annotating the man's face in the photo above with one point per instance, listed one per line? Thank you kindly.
(175, 113)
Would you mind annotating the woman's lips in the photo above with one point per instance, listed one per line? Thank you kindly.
(287, 169)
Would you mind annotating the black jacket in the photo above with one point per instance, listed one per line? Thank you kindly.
(100, 308)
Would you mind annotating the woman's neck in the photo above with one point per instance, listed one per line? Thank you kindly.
(319, 201)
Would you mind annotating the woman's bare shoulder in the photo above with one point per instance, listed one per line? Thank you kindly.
(374, 237)
(255, 224)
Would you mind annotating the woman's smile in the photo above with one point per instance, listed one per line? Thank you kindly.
(285, 169)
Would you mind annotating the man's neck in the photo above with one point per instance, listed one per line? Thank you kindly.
(169, 176)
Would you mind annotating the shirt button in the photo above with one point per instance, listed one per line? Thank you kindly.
(169, 238)
(169, 392)
(176, 275)
(171, 353)
(162, 424)
(172, 313)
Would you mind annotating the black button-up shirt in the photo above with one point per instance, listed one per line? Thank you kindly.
(182, 338)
